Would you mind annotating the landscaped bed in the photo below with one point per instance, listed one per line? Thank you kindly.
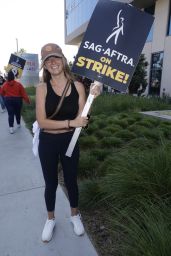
(124, 176)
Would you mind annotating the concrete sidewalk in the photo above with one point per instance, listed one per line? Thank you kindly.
(22, 207)
(163, 114)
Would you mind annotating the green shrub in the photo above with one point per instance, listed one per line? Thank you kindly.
(155, 121)
(122, 123)
(154, 134)
(110, 119)
(88, 165)
(28, 113)
(112, 129)
(137, 116)
(100, 154)
(101, 123)
(111, 142)
(29, 116)
(123, 115)
(165, 132)
(142, 131)
(102, 133)
(88, 141)
(146, 231)
(136, 175)
(88, 188)
(142, 143)
(31, 90)
(125, 135)
(146, 123)
(121, 103)
(134, 127)
(130, 120)
(167, 123)
(92, 127)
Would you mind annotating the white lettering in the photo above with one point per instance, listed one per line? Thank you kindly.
(109, 52)
(130, 62)
(98, 48)
(124, 59)
(86, 43)
(119, 55)
(113, 53)
(92, 46)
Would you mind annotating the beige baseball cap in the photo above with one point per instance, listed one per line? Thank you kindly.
(49, 50)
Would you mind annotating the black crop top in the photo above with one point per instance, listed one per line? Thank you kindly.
(69, 108)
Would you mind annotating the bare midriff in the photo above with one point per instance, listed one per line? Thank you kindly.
(58, 131)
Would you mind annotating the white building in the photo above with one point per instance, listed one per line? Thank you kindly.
(158, 45)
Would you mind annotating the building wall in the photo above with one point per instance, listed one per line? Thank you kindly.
(147, 51)
(160, 43)
(160, 25)
(166, 76)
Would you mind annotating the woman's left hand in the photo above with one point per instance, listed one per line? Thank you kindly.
(95, 89)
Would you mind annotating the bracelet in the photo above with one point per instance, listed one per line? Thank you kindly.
(88, 116)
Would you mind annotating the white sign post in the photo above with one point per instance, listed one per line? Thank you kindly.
(78, 129)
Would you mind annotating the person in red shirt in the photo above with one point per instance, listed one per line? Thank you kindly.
(14, 94)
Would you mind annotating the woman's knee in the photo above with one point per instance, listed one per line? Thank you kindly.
(52, 186)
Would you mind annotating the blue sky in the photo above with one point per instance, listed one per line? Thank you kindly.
(34, 23)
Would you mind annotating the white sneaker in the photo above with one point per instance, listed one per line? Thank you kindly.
(11, 130)
(18, 125)
(77, 223)
(48, 230)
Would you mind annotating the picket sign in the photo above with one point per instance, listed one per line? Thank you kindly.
(84, 113)
(110, 52)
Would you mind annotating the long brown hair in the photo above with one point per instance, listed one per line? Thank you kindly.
(67, 72)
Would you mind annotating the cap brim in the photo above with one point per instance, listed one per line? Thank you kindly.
(49, 55)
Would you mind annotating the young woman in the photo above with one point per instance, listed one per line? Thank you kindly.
(57, 132)
(13, 93)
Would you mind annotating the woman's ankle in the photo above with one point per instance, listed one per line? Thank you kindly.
(74, 211)
(51, 215)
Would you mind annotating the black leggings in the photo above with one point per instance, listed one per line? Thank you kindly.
(53, 147)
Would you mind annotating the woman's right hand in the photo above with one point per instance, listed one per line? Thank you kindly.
(79, 121)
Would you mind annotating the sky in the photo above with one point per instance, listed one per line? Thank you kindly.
(33, 23)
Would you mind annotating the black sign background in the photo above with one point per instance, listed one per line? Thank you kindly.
(17, 61)
(104, 19)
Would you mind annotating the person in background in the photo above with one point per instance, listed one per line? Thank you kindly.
(164, 93)
(2, 80)
(56, 133)
(13, 93)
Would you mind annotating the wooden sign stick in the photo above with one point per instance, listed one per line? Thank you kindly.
(78, 129)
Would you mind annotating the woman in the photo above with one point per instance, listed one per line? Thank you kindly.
(57, 132)
(13, 93)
